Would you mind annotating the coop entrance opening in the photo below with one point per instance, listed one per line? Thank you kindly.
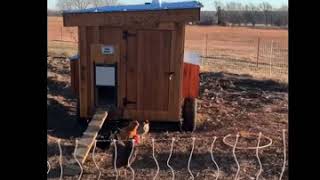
(106, 85)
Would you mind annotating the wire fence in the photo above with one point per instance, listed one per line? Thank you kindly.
(259, 149)
(228, 51)
(261, 56)
(57, 32)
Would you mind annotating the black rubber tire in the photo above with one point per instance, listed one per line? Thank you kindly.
(189, 114)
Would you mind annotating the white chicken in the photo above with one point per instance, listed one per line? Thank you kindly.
(143, 129)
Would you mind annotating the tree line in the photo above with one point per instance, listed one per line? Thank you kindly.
(236, 13)
(233, 13)
(83, 4)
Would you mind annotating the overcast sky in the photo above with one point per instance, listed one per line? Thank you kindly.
(208, 4)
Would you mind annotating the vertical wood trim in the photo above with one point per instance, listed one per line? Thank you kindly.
(178, 67)
(180, 63)
(95, 40)
(77, 77)
(121, 89)
(131, 67)
(83, 81)
(139, 74)
(174, 79)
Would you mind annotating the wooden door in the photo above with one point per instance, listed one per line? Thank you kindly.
(153, 66)
(131, 70)
(148, 66)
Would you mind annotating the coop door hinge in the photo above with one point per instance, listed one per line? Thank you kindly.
(126, 102)
(126, 34)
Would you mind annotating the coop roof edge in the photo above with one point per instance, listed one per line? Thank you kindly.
(139, 7)
(75, 57)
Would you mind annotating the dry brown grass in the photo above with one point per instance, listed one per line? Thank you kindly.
(62, 48)
(234, 50)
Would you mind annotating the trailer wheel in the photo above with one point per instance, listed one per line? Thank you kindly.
(82, 122)
(189, 114)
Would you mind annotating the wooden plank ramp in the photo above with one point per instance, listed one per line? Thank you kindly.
(86, 141)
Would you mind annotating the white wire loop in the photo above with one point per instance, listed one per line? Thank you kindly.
(75, 157)
(129, 164)
(260, 147)
(234, 147)
(171, 151)
(115, 158)
(284, 153)
(60, 159)
(189, 161)
(257, 154)
(49, 167)
(235, 157)
(158, 168)
(94, 159)
(212, 158)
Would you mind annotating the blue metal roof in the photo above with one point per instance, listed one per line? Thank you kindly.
(140, 7)
(75, 57)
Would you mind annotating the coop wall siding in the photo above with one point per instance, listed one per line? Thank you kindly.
(89, 35)
(74, 75)
(83, 72)
(178, 61)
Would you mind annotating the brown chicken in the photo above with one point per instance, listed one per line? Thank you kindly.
(128, 132)
(125, 146)
(123, 154)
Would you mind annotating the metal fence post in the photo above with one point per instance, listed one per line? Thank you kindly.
(258, 49)
(271, 57)
(61, 33)
(206, 45)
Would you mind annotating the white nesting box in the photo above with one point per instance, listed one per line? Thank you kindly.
(105, 76)
(192, 58)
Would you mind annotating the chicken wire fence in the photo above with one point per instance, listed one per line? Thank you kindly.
(56, 32)
(260, 56)
(232, 141)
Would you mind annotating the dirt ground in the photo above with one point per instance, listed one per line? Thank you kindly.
(228, 103)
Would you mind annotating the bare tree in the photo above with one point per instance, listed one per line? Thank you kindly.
(281, 17)
(217, 4)
(284, 7)
(266, 8)
(81, 4)
(250, 14)
(246, 14)
(234, 6)
(64, 4)
(234, 11)
(97, 3)
(72, 4)
(220, 13)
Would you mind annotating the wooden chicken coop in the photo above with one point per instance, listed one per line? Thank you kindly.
(132, 57)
